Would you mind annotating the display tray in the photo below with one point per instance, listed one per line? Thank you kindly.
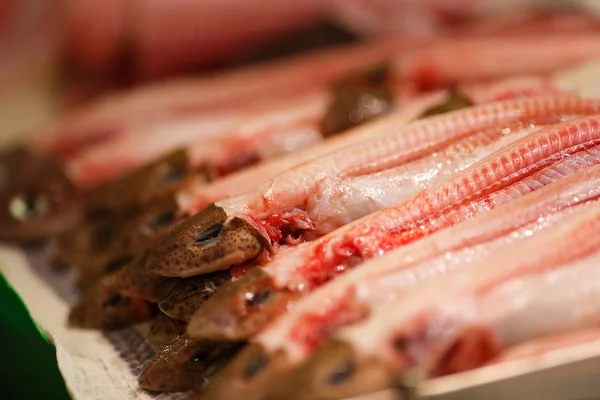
(105, 365)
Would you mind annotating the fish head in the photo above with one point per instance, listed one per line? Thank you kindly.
(248, 376)
(157, 179)
(163, 330)
(134, 280)
(43, 204)
(12, 162)
(335, 371)
(185, 296)
(183, 363)
(95, 268)
(103, 307)
(153, 223)
(240, 308)
(207, 242)
(93, 239)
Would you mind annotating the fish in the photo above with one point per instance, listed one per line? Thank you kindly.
(133, 280)
(102, 119)
(311, 265)
(293, 337)
(511, 87)
(285, 209)
(185, 296)
(103, 307)
(463, 319)
(183, 363)
(44, 196)
(109, 244)
(259, 130)
(163, 330)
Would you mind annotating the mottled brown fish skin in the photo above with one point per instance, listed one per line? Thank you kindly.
(103, 307)
(206, 242)
(138, 188)
(334, 372)
(184, 363)
(185, 296)
(134, 280)
(248, 376)
(94, 269)
(95, 240)
(164, 330)
(13, 165)
(152, 225)
(240, 308)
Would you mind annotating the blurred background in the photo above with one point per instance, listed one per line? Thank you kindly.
(56, 55)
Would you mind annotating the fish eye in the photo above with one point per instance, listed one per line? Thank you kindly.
(209, 234)
(341, 374)
(257, 298)
(163, 220)
(112, 301)
(172, 174)
(200, 356)
(27, 205)
(255, 366)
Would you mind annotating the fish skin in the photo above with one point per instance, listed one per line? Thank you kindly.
(258, 302)
(227, 384)
(204, 239)
(163, 330)
(184, 363)
(185, 296)
(134, 280)
(38, 205)
(103, 307)
(156, 179)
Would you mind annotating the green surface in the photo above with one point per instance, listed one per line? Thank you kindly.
(28, 369)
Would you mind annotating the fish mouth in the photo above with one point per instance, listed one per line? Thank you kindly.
(164, 330)
(336, 371)
(248, 376)
(184, 363)
(43, 204)
(185, 296)
(205, 243)
(103, 307)
(240, 308)
(160, 178)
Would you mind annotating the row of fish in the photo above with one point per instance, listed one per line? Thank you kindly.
(323, 227)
